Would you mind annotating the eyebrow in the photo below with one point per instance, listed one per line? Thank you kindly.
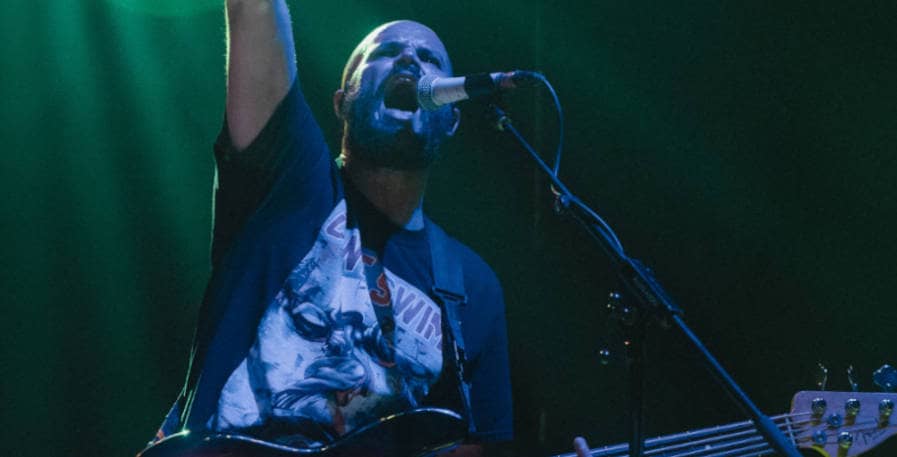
(423, 51)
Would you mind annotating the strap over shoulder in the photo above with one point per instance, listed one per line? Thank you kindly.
(448, 289)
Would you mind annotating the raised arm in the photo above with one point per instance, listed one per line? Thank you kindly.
(261, 64)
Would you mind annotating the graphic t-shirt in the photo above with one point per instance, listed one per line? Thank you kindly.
(321, 359)
(317, 319)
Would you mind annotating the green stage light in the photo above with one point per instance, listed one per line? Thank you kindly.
(169, 7)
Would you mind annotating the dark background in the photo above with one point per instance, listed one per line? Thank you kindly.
(745, 150)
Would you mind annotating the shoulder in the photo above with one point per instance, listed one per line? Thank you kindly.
(481, 284)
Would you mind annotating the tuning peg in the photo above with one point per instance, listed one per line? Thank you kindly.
(818, 406)
(819, 437)
(852, 379)
(845, 440)
(835, 420)
(885, 378)
(852, 407)
(885, 409)
(821, 376)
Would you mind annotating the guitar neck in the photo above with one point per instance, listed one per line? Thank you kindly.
(731, 440)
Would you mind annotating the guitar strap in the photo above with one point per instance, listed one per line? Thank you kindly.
(448, 288)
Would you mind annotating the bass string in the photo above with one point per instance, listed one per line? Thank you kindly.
(708, 437)
(761, 447)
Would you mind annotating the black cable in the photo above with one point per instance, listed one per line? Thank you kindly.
(557, 187)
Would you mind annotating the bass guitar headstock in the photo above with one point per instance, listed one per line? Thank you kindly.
(840, 424)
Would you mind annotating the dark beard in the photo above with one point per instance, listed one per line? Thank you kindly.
(400, 150)
(394, 145)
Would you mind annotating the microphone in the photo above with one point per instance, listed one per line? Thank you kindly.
(435, 91)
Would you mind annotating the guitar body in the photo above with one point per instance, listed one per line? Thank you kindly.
(413, 433)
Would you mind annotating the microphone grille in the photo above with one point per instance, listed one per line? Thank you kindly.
(425, 92)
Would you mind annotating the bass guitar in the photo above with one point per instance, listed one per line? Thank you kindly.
(835, 424)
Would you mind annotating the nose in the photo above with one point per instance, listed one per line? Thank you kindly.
(408, 58)
(339, 342)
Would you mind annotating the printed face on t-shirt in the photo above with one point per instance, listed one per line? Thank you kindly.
(320, 353)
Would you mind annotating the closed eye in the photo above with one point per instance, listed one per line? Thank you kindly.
(392, 49)
(385, 50)
(425, 55)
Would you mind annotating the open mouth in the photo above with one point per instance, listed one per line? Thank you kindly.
(401, 93)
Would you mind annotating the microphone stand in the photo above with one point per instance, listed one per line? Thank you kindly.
(653, 301)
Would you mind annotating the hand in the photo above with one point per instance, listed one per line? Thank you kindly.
(581, 447)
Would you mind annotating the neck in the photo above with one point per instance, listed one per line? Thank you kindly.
(396, 193)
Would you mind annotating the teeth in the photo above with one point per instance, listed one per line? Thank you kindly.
(399, 113)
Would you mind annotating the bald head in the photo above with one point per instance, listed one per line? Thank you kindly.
(390, 31)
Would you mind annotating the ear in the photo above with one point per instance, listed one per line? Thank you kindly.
(456, 113)
(338, 96)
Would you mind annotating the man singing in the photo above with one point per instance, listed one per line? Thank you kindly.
(320, 316)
